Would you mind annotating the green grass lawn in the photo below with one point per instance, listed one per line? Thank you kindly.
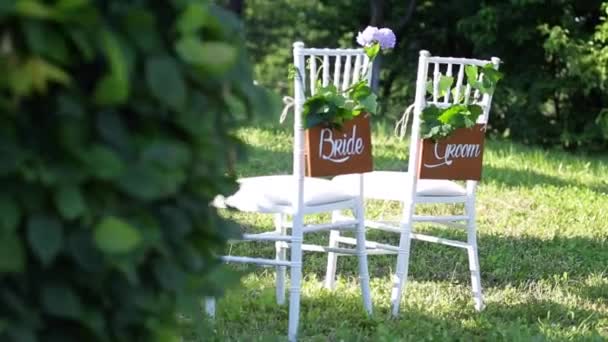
(543, 242)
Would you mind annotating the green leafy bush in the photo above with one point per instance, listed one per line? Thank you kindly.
(115, 134)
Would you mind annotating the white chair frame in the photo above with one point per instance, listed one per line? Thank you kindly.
(298, 209)
(411, 197)
(409, 217)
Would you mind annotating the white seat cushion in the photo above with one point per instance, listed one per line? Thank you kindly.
(266, 193)
(392, 185)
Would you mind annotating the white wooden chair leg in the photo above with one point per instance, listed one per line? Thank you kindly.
(475, 277)
(281, 254)
(332, 258)
(296, 277)
(403, 259)
(474, 256)
(362, 256)
(210, 306)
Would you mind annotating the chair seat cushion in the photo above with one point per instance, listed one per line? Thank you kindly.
(266, 193)
(392, 185)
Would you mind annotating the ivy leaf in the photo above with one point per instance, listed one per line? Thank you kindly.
(147, 181)
(178, 221)
(431, 113)
(10, 214)
(110, 90)
(165, 81)
(369, 103)
(372, 51)
(468, 123)
(80, 246)
(142, 28)
(445, 82)
(103, 162)
(169, 275)
(492, 74)
(215, 57)
(115, 236)
(450, 113)
(192, 18)
(46, 42)
(34, 9)
(429, 87)
(70, 202)
(336, 100)
(167, 153)
(347, 114)
(61, 301)
(315, 105)
(35, 75)
(113, 88)
(71, 4)
(45, 237)
(459, 98)
(475, 111)
(472, 75)
(360, 90)
(313, 120)
(12, 254)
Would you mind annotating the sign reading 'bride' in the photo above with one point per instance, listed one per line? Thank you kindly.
(331, 152)
(459, 156)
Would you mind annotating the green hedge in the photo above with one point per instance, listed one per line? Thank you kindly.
(116, 121)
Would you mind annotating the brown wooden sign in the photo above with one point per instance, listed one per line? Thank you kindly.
(331, 152)
(457, 157)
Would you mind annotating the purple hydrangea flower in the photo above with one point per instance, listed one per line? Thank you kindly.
(371, 35)
(386, 38)
(368, 36)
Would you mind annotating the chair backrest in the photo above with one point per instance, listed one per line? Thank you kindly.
(340, 67)
(455, 67)
(433, 68)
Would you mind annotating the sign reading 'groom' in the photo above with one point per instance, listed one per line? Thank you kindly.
(459, 156)
(331, 152)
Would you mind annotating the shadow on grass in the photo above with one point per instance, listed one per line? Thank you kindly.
(252, 314)
(504, 261)
(528, 179)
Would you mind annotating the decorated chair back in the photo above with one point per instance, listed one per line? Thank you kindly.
(456, 84)
(448, 82)
(316, 68)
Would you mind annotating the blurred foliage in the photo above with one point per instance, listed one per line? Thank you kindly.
(554, 53)
(116, 132)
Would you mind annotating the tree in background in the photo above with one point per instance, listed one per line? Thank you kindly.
(541, 100)
(553, 54)
(116, 123)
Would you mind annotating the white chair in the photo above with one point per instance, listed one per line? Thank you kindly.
(296, 195)
(407, 188)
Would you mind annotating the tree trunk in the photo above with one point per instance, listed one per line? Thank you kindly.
(377, 19)
(377, 12)
(399, 30)
(237, 7)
